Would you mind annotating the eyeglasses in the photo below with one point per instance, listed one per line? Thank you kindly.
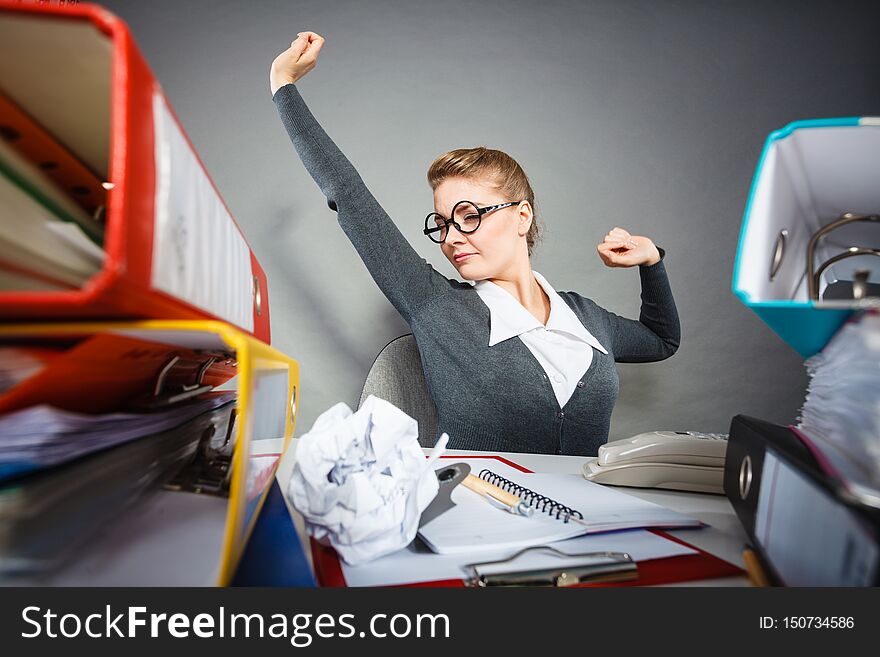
(466, 218)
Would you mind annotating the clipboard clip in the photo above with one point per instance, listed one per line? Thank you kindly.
(448, 477)
(593, 567)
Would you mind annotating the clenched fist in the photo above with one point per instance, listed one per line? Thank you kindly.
(620, 249)
(296, 61)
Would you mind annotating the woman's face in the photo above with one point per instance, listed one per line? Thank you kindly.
(499, 241)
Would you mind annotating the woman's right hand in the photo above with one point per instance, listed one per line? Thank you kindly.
(296, 61)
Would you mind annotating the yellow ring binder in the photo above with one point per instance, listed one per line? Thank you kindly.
(263, 374)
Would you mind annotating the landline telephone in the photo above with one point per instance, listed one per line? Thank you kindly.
(677, 460)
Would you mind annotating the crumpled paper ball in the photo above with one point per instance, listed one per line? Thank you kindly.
(361, 480)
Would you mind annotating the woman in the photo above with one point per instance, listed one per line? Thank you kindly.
(511, 364)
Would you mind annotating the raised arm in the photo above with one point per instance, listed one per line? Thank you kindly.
(657, 333)
(403, 276)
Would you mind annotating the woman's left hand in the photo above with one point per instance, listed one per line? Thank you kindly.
(620, 249)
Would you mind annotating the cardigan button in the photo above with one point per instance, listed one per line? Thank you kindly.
(580, 384)
(560, 415)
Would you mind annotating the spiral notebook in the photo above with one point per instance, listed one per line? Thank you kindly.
(564, 505)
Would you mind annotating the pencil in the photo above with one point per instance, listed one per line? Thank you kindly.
(757, 576)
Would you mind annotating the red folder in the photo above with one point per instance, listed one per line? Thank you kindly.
(173, 250)
(101, 372)
(684, 568)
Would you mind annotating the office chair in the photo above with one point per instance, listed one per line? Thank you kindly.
(396, 376)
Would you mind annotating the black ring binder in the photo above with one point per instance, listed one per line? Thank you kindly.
(531, 498)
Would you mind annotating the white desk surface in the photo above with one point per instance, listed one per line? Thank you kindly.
(724, 537)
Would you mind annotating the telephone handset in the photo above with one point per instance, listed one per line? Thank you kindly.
(677, 460)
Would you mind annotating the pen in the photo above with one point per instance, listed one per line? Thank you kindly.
(497, 496)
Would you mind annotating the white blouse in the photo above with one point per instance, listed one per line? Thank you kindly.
(564, 347)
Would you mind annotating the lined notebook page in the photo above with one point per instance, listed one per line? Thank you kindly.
(604, 506)
(474, 525)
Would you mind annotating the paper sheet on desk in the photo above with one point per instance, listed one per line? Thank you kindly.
(410, 567)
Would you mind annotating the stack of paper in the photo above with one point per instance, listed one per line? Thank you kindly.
(41, 436)
(841, 414)
(46, 514)
(46, 240)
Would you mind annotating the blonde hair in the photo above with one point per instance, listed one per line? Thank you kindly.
(484, 165)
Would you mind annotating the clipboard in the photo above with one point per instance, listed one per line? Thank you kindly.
(690, 567)
(211, 527)
(109, 136)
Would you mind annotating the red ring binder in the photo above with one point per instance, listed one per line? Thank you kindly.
(141, 225)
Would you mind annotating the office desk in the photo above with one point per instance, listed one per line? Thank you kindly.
(724, 537)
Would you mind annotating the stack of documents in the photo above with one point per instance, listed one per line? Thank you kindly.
(47, 241)
(45, 515)
(840, 417)
(42, 436)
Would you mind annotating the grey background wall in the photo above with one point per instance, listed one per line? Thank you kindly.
(646, 115)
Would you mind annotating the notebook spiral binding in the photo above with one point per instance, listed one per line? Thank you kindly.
(531, 498)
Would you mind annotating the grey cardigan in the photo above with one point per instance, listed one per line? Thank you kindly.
(488, 398)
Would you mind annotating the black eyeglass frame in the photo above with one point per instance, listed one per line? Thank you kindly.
(480, 212)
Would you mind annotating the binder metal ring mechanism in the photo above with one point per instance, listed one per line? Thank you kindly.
(860, 276)
(153, 365)
(115, 214)
(813, 199)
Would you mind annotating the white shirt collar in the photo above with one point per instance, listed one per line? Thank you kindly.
(509, 318)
